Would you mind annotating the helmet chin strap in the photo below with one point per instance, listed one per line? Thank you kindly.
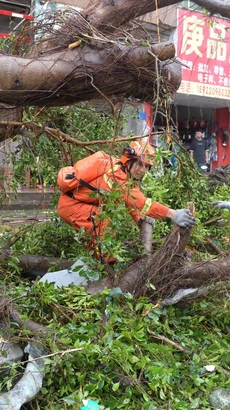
(130, 164)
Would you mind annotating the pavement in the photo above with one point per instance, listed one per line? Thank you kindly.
(15, 218)
(26, 199)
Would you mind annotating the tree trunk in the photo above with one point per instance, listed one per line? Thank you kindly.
(87, 73)
(103, 65)
(107, 15)
(166, 271)
(188, 275)
(35, 265)
(146, 231)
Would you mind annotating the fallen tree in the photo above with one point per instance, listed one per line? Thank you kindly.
(165, 271)
(105, 67)
(83, 56)
(91, 55)
(35, 265)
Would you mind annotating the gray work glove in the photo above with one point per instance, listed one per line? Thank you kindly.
(221, 204)
(184, 218)
(147, 219)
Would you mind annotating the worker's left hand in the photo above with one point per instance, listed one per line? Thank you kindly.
(221, 204)
(147, 219)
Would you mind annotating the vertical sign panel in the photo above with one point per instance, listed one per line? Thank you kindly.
(204, 48)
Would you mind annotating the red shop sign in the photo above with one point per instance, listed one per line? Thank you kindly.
(204, 48)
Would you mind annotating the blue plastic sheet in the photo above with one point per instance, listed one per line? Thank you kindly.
(91, 405)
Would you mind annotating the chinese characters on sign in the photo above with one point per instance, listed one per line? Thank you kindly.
(204, 49)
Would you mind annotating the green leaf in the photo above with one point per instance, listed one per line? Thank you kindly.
(116, 386)
(69, 400)
(195, 403)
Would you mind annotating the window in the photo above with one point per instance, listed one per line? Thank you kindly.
(188, 4)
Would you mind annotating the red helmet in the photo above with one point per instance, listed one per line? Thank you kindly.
(139, 150)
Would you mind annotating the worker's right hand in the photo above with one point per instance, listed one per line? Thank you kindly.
(221, 204)
(184, 218)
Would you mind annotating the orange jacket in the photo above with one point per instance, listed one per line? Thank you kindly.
(135, 201)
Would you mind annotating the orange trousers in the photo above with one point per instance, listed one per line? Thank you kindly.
(81, 215)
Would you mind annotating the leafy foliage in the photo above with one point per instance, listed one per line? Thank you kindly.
(173, 187)
(106, 348)
(177, 186)
(43, 155)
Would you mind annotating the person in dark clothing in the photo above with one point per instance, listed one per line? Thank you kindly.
(199, 151)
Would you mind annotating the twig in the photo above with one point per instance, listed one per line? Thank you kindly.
(62, 353)
(57, 132)
(210, 221)
(226, 372)
(15, 238)
(58, 308)
(168, 341)
(215, 247)
(78, 349)
(38, 407)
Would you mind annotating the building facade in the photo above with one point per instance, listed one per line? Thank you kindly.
(203, 99)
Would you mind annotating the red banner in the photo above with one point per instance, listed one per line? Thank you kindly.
(204, 49)
(18, 15)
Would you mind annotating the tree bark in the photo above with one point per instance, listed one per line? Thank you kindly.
(35, 265)
(104, 66)
(8, 311)
(86, 73)
(146, 231)
(167, 270)
(107, 15)
(189, 275)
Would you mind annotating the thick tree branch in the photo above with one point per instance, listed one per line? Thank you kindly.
(86, 73)
(34, 264)
(107, 15)
(142, 56)
(100, 66)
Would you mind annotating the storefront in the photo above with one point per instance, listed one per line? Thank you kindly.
(203, 45)
(203, 99)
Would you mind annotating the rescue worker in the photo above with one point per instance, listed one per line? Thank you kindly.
(80, 209)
